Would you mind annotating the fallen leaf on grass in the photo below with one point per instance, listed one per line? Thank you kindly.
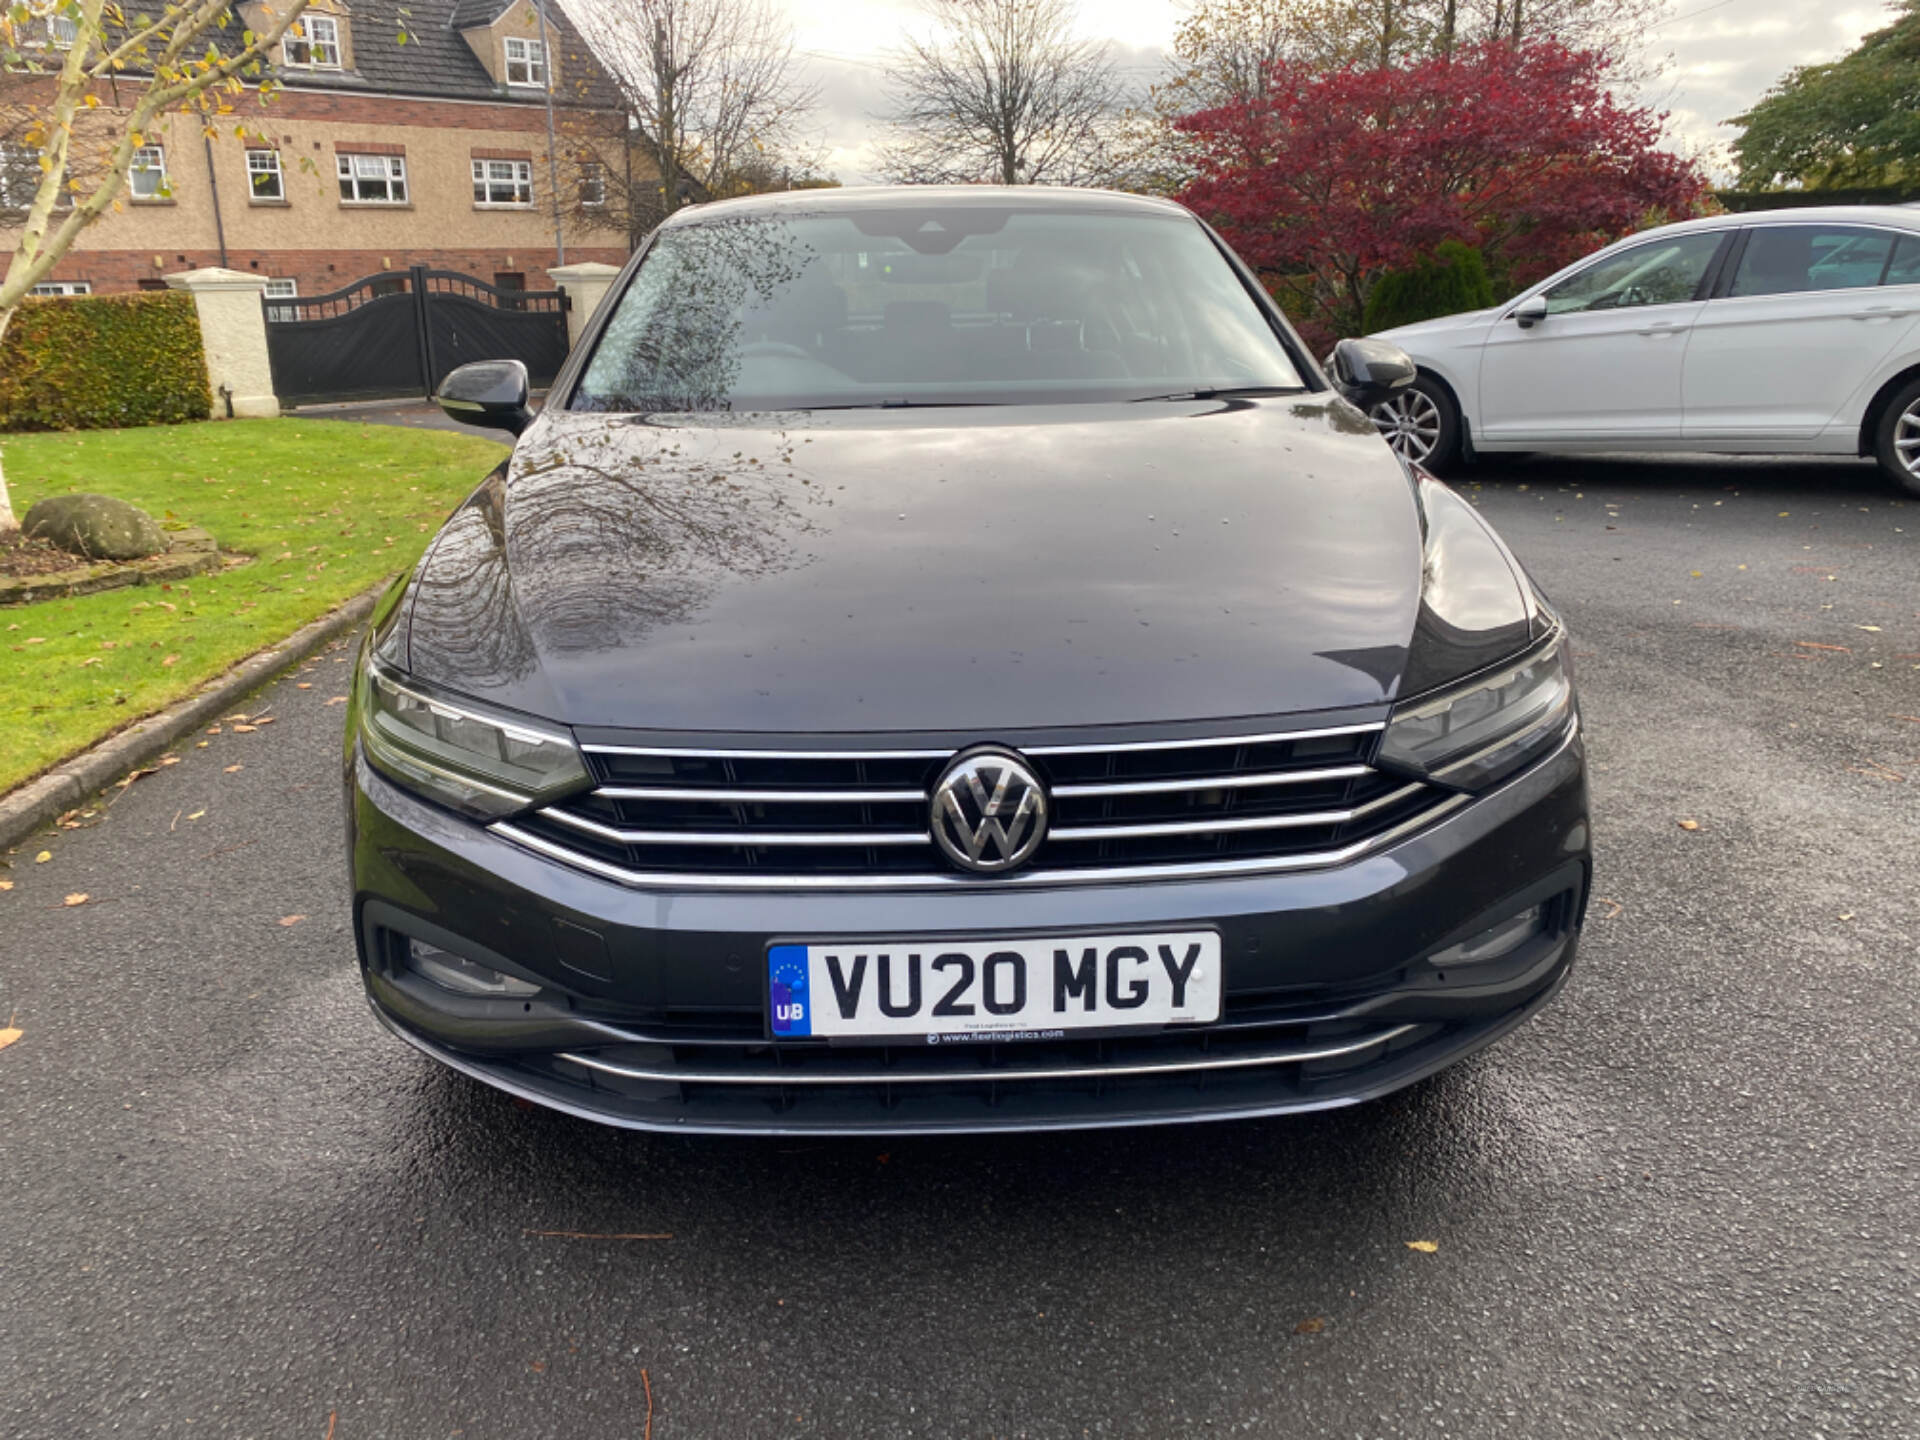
(43, 857)
(1312, 1326)
(170, 660)
(90, 660)
(1425, 1247)
(79, 897)
(291, 919)
(1689, 824)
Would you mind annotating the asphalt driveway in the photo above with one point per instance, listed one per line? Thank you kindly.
(1685, 1201)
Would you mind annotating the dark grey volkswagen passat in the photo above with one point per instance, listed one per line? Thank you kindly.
(949, 660)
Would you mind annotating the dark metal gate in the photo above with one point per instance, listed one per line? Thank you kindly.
(400, 332)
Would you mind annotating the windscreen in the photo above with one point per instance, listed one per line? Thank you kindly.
(929, 306)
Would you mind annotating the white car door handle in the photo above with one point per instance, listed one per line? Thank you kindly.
(1879, 312)
(1662, 327)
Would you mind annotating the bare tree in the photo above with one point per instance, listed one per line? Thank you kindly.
(69, 153)
(709, 86)
(1002, 91)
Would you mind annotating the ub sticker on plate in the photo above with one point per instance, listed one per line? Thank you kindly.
(955, 991)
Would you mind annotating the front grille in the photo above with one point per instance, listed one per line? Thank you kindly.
(752, 818)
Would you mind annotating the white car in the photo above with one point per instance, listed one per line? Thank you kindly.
(1783, 332)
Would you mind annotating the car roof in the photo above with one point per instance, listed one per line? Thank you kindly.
(853, 198)
(1903, 217)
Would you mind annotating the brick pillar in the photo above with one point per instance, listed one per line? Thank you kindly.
(233, 332)
(586, 285)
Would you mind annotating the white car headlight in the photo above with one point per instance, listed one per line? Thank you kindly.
(480, 761)
(1475, 735)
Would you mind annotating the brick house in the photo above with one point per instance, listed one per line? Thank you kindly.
(379, 152)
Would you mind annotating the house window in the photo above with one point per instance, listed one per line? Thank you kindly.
(373, 179)
(63, 287)
(148, 282)
(593, 185)
(313, 43)
(64, 30)
(526, 62)
(279, 289)
(503, 182)
(148, 177)
(263, 175)
(19, 177)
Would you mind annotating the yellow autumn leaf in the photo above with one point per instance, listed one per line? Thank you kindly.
(196, 815)
(6, 884)
(1689, 824)
(1425, 1247)
(43, 857)
(79, 897)
(10, 1034)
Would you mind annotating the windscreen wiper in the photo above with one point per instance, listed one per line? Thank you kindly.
(1225, 392)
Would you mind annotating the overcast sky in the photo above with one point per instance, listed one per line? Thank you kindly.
(1725, 53)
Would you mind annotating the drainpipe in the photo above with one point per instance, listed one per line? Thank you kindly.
(213, 179)
(553, 163)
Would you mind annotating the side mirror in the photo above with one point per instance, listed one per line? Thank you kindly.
(489, 393)
(1368, 371)
(1529, 312)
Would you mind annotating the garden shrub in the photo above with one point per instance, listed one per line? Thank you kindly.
(1452, 279)
(96, 361)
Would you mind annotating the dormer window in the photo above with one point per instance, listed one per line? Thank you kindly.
(313, 43)
(526, 62)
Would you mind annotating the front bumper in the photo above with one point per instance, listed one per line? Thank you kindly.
(652, 1002)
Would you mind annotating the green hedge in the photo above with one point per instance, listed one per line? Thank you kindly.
(1454, 279)
(97, 361)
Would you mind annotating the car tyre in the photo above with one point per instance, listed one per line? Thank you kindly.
(1421, 423)
(1897, 438)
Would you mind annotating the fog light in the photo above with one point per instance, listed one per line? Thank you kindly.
(1491, 944)
(456, 972)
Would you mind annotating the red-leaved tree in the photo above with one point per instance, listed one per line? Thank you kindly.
(1333, 176)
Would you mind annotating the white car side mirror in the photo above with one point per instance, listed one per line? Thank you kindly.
(1529, 312)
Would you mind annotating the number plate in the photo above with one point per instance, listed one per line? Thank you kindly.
(996, 990)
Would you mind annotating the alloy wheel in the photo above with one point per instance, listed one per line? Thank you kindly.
(1906, 439)
(1411, 423)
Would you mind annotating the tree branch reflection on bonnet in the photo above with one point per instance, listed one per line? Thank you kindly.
(607, 528)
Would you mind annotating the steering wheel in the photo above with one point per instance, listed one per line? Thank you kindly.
(773, 347)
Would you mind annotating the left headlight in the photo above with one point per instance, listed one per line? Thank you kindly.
(483, 762)
(1475, 735)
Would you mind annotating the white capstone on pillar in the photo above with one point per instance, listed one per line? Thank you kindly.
(233, 332)
(586, 285)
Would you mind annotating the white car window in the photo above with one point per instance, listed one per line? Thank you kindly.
(1794, 259)
(1661, 272)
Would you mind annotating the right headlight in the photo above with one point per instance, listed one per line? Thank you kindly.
(483, 762)
(1474, 735)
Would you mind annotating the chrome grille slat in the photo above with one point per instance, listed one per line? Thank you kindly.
(783, 1074)
(668, 816)
(1212, 782)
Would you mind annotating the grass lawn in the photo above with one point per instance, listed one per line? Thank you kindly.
(324, 507)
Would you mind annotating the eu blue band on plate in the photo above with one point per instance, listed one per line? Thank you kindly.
(788, 1002)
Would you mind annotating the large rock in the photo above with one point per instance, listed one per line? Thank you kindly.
(97, 526)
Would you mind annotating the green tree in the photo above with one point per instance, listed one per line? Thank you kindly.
(1451, 281)
(1854, 121)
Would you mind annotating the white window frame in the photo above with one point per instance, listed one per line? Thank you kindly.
(354, 166)
(317, 47)
(516, 182)
(282, 288)
(62, 287)
(147, 174)
(62, 31)
(270, 165)
(593, 185)
(532, 61)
